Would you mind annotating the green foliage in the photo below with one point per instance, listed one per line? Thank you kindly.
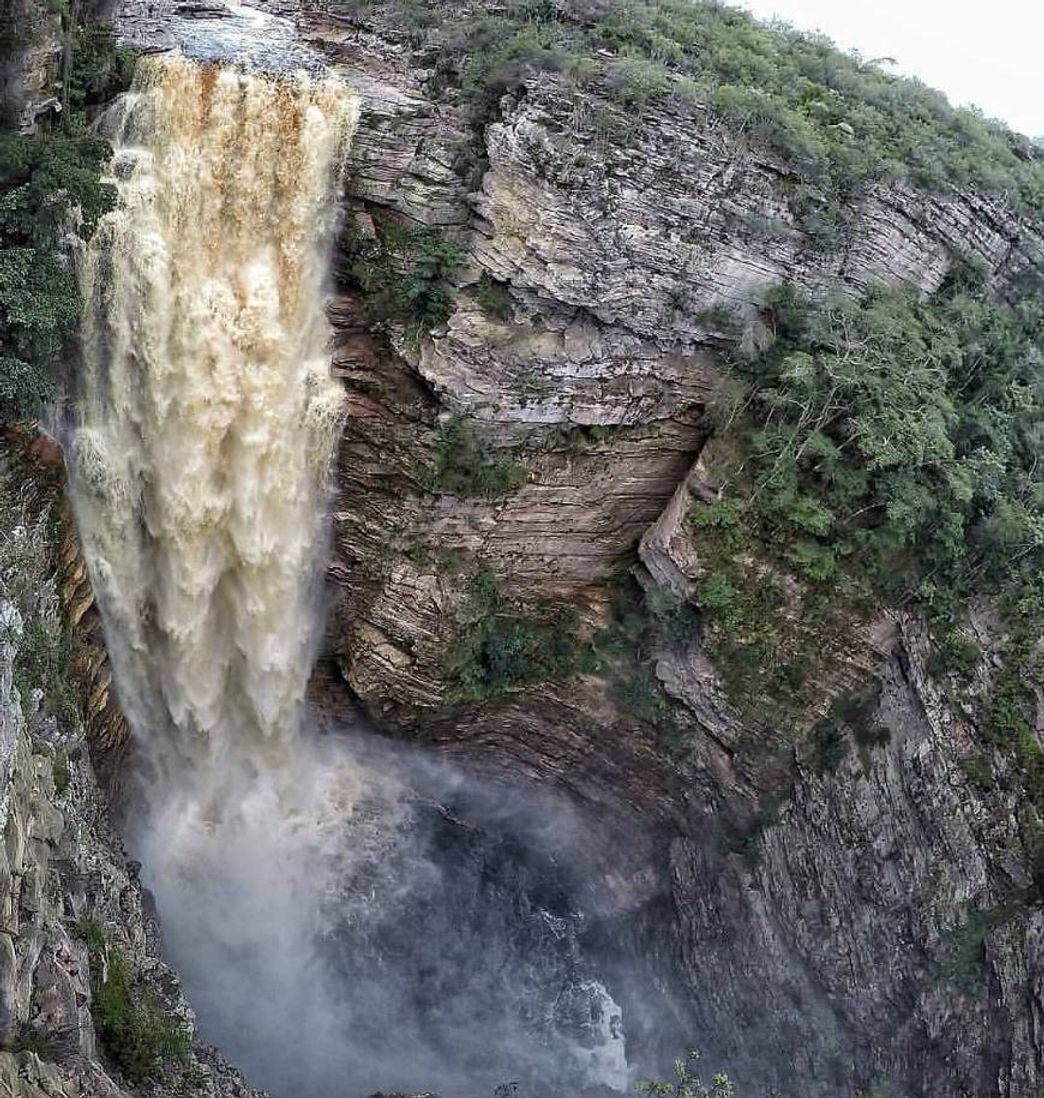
(837, 120)
(44, 661)
(642, 625)
(50, 184)
(405, 273)
(95, 937)
(463, 467)
(743, 835)
(889, 445)
(830, 745)
(966, 966)
(101, 68)
(136, 1031)
(494, 297)
(954, 654)
(45, 642)
(885, 454)
(719, 318)
(849, 718)
(60, 771)
(1011, 711)
(688, 1082)
(501, 649)
(979, 772)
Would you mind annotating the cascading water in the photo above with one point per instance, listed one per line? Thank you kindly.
(283, 865)
(208, 411)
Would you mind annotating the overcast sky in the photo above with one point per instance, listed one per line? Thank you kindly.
(987, 53)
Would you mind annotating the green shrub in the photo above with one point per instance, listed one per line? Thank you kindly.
(966, 966)
(829, 744)
(887, 450)
(494, 297)
(979, 772)
(850, 715)
(404, 270)
(501, 649)
(720, 318)
(44, 661)
(45, 177)
(135, 1029)
(954, 654)
(463, 466)
(101, 68)
(60, 771)
(688, 1082)
(642, 625)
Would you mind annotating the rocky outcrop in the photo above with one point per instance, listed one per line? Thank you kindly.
(30, 53)
(881, 935)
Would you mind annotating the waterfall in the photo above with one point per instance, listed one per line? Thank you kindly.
(290, 871)
(198, 462)
(208, 412)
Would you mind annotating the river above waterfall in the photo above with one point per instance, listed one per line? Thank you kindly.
(248, 36)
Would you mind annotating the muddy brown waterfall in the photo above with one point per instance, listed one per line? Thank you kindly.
(291, 870)
(208, 414)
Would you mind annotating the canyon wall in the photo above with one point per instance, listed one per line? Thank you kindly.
(851, 930)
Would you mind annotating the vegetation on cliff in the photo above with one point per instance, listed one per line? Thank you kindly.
(882, 453)
(136, 1028)
(889, 447)
(501, 647)
(838, 120)
(52, 191)
(404, 271)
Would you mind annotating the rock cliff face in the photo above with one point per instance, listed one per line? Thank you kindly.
(858, 933)
(28, 62)
(73, 913)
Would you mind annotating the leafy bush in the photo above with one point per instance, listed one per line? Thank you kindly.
(463, 467)
(501, 649)
(954, 654)
(885, 455)
(494, 297)
(889, 445)
(101, 68)
(688, 1082)
(966, 966)
(135, 1030)
(405, 272)
(60, 770)
(50, 184)
(643, 625)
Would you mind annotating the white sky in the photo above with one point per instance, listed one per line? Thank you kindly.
(987, 53)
